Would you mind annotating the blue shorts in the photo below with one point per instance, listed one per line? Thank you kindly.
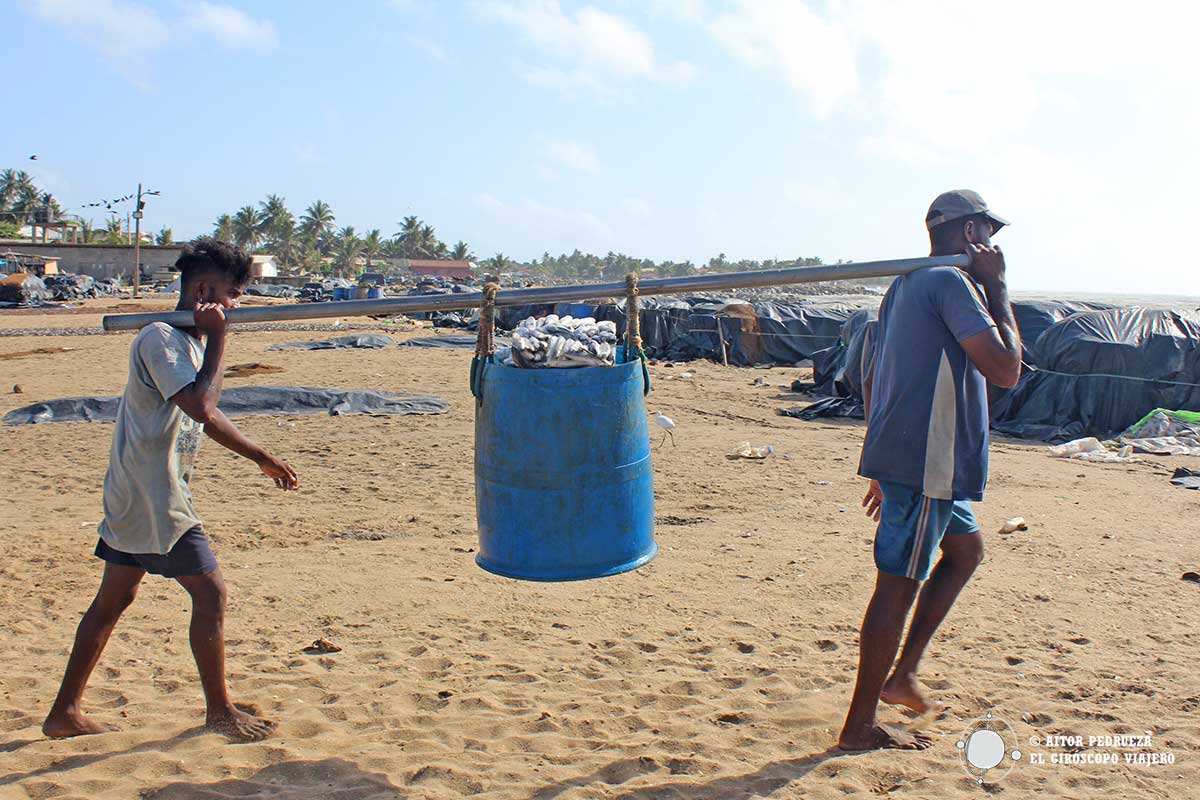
(911, 527)
(191, 555)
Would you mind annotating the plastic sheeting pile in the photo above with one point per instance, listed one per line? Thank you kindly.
(244, 401)
(555, 341)
(1165, 433)
(23, 289)
(368, 341)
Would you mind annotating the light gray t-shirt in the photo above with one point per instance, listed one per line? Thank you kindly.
(147, 502)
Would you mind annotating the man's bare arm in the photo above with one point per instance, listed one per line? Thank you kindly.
(995, 352)
(199, 399)
(226, 434)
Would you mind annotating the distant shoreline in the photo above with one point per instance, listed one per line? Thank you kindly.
(1183, 303)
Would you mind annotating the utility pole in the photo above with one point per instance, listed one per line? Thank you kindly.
(137, 244)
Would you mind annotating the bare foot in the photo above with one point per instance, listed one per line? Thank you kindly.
(903, 690)
(61, 725)
(240, 723)
(883, 737)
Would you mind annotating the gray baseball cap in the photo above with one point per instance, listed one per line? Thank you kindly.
(957, 204)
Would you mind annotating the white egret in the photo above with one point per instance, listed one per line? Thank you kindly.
(668, 426)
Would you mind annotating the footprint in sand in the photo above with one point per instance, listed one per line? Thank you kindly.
(744, 647)
(732, 719)
(827, 645)
(683, 766)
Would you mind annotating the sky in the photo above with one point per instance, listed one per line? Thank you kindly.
(664, 129)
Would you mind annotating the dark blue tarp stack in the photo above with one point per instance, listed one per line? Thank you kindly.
(1090, 370)
(755, 333)
(1097, 372)
(838, 370)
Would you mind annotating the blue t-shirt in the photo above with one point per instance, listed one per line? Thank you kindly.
(928, 424)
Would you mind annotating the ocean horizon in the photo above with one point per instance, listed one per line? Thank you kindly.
(1187, 304)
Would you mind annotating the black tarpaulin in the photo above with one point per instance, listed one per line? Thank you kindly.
(1101, 371)
(1033, 317)
(242, 401)
(270, 290)
(371, 341)
(451, 340)
(754, 333)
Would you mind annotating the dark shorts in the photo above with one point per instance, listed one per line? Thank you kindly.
(911, 527)
(191, 555)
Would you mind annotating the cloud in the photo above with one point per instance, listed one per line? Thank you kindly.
(812, 53)
(557, 227)
(579, 156)
(124, 33)
(680, 10)
(636, 207)
(306, 153)
(433, 49)
(127, 34)
(589, 49)
(1058, 112)
(230, 26)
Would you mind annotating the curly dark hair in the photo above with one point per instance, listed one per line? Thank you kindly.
(206, 254)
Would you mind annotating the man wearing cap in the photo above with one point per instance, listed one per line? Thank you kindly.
(943, 333)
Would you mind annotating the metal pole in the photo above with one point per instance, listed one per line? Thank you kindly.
(137, 244)
(547, 294)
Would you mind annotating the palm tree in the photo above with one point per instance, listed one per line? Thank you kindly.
(409, 237)
(497, 263)
(22, 196)
(318, 221)
(372, 245)
(283, 239)
(223, 229)
(112, 231)
(462, 252)
(308, 255)
(87, 230)
(8, 190)
(273, 210)
(246, 228)
(48, 200)
(429, 241)
(345, 257)
(165, 236)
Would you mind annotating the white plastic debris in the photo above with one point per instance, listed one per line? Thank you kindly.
(1091, 449)
(1089, 445)
(745, 450)
(554, 341)
(1013, 525)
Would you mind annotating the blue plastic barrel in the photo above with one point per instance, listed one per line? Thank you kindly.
(374, 293)
(576, 310)
(343, 293)
(564, 489)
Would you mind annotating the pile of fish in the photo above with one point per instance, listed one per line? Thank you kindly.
(555, 341)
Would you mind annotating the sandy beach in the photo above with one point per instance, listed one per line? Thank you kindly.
(721, 670)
